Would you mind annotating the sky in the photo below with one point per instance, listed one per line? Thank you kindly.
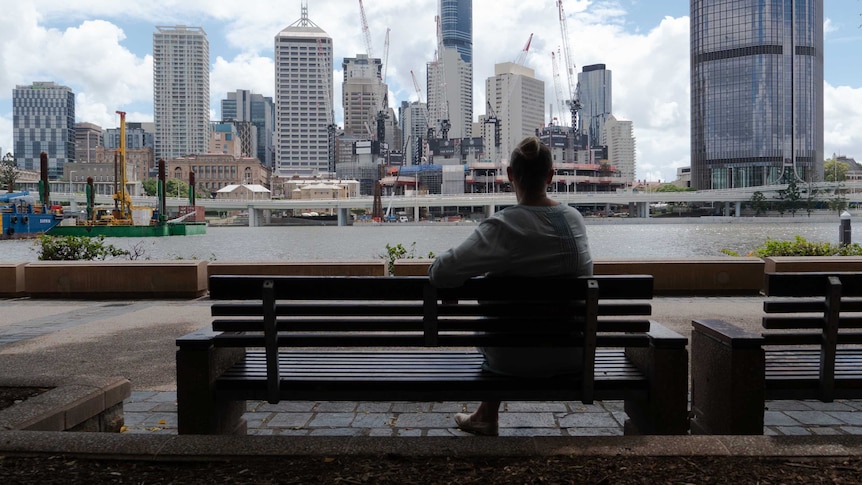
(102, 49)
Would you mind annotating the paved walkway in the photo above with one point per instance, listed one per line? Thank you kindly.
(135, 339)
(156, 413)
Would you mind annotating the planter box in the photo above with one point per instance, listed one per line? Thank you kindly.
(299, 268)
(811, 264)
(71, 404)
(12, 279)
(116, 279)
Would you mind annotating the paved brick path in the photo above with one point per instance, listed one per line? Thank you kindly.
(155, 412)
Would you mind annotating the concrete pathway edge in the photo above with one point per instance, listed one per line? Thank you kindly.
(193, 448)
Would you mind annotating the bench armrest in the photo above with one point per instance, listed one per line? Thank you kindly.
(727, 334)
(665, 338)
(198, 340)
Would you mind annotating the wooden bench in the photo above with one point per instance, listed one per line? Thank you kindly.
(401, 339)
(808, 350)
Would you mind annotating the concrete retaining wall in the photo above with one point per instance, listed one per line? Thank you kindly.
(188, 279)
(116, 279)
(12, 279)
(300, 268)
(809, 264)
(701, 276)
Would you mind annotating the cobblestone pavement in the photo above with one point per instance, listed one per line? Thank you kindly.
(156, 412)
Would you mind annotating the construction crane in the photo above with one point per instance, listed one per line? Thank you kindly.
(386, 54)
(558, 88)
(365, 31)
(327, 110)
(573, 102)
(423, 148)
(383, 114)
(491, 119)
(522, 57)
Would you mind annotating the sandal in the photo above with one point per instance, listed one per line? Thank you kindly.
(466, 423)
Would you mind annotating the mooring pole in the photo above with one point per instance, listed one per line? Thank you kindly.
(845, 235)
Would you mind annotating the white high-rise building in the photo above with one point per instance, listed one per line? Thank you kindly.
(303, 99)
(363, 95)
(518, 100)
(181, 91)
(413, 117)
(450, 97)
(620, 139)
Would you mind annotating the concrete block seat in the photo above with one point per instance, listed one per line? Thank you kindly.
(810, 348)
(12, 279)
(116, 279)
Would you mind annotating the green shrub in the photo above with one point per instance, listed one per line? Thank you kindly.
(802, 247)
(76, 248)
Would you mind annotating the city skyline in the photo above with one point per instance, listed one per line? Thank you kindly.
(103, 51)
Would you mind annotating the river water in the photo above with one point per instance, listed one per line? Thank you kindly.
(608, 239)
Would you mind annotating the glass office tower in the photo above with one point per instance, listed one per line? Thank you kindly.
(756, 92)
(594, 93)
(456, 18)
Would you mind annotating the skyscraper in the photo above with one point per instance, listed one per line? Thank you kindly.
(245, 106)
(456, 23)
(87, 137)
(518, 100)
(450, 92)
(413, 118)
(620, 140)
(303, 99)
(363, 94)
(594, 93)
(181, 91)
(43, 121)
(756, 92)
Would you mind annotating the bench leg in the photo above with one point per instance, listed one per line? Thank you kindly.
(727, 374)
(198, 412)
(666, 409)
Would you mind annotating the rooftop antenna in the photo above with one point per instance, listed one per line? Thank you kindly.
(304, 21)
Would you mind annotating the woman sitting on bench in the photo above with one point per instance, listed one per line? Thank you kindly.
(538, 237)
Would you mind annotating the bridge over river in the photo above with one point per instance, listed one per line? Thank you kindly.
(638, 202)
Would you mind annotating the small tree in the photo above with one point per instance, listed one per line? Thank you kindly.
(758, 203)
(835, 171)
(789, 197)
(8, 172)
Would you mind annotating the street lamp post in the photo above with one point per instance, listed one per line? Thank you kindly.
(71, 189)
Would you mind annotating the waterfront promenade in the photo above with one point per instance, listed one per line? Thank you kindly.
(135, 339)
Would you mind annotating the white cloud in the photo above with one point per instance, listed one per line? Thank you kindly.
(843, 125)
(245, 71)
(90, 52)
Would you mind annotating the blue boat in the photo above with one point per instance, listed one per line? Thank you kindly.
(23, 216)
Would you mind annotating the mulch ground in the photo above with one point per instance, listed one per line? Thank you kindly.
(399, 470)
(396, 469)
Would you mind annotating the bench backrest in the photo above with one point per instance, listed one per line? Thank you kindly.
(288, 311)
(814, 309)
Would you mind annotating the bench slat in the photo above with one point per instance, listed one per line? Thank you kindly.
(402, 308)
(391, 324)
(372, 373)
(810, 284)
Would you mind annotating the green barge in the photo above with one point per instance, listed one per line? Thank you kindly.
(126, 220)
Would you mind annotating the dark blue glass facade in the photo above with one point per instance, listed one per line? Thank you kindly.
(756, 92)
(43, 121)
(456, 17)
